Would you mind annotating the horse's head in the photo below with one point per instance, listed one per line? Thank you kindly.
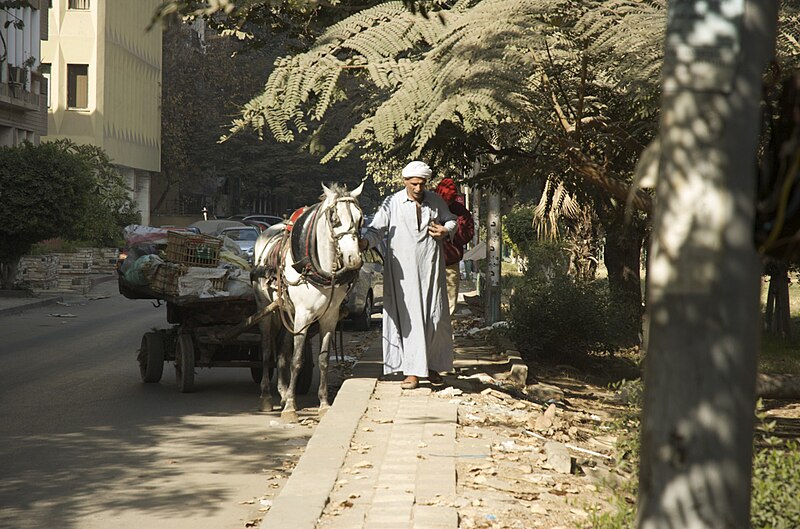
(344, 218)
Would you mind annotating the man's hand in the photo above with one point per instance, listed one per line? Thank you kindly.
(363, 244)
(437, 231)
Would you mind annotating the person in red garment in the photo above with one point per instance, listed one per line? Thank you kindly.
(454, 249)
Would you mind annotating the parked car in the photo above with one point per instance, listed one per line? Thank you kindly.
(269, 220)
(257, 224)
(245, 237)
(215, 227)
(366, 296)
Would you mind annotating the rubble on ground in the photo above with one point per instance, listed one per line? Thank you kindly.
(531, 453)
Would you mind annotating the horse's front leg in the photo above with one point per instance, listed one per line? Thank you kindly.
(267, 348)
(327, 328)
(284, 354)
(289, 412)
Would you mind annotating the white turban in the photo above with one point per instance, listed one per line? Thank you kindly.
(417, 169)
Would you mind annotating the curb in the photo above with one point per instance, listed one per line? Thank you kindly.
(304, 496)
(32, 305)
(93, 282)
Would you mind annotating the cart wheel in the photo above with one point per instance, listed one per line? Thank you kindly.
(184, 363)
(151, 357)
(307, 371)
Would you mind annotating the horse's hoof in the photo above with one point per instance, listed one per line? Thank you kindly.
(323, 410)
(289, 416)
(266, 404)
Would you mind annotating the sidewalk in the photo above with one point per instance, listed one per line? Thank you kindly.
(14, 302)
(382, 458)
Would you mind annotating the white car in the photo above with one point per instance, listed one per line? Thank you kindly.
(366, 296)
(244, 237)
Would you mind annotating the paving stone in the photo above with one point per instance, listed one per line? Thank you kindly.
(435, 516)
(377, 517)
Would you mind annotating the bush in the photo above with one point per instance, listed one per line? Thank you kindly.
(558, 316)
(518, 233)
(58, 189)
(111, 207)
(776, 487)
(551, 314)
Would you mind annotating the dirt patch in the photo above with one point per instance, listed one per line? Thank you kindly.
(548, 454)
(530, 464)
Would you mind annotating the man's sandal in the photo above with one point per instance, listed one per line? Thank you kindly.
(411, 382)
(435, 378)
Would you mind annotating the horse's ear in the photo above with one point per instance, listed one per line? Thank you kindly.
(357, 191)
(328, 192)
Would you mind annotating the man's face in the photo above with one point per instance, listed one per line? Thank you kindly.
(415, 186)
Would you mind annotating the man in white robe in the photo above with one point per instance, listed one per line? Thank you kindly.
(417, 335)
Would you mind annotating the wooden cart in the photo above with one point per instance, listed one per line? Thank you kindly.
(208, 332)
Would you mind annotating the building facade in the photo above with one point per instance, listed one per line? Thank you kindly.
(23, 108)
(104, 69)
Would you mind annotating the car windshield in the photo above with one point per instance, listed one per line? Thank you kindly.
(242, 235)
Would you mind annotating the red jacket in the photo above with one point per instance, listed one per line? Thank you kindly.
(454, 250)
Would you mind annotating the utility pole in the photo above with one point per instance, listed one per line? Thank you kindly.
(474, 205)
(703, 279)
(494, 240)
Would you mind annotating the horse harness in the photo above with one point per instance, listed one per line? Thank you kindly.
(300, 237)
(303, 243)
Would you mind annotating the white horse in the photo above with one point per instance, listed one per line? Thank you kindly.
(308, 265)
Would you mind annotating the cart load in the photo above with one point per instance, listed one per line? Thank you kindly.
(172, 264)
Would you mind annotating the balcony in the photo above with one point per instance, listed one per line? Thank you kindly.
(17, 95)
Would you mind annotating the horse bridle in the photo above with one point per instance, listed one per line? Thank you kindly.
(334, 221)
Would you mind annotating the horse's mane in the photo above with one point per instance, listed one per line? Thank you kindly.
(340, 190)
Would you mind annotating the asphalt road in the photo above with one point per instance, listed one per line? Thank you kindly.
(85, 444)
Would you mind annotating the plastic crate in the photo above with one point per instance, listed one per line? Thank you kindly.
(193, 249)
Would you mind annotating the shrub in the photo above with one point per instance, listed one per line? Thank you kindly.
(776, 487)
(558, 316)
(552, 314)
(58, 189)
(518, 232)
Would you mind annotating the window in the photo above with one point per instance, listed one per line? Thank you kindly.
(44, 68)
(77, 86)
(78, 4)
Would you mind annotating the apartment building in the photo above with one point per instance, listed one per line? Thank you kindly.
(104, 71)
(23, 109)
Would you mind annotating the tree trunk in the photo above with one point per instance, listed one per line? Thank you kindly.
(777, 316)
(622, 255)
(778, 386)
(704, 273)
